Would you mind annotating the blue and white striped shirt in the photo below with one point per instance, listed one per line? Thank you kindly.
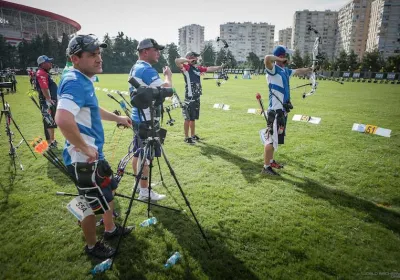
(147, 76)
(76, 94)
(279, 86)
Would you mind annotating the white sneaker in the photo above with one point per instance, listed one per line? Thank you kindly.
(153, 196)
(152, 185)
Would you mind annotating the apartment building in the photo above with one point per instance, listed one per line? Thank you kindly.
(247, 37)
(384, 28)
(285, 37)
(353, 25)
(323, 21)
(191, 38)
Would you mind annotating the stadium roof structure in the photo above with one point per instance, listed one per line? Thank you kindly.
(18, 22)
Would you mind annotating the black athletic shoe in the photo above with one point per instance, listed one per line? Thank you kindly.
(269, 171)
(119, 230)
(100, 250)
(195, 137)
(189, 140)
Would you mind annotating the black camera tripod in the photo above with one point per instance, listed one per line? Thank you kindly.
(151, 143)
(6, 111)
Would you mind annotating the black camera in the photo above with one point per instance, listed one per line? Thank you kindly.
(142, 97)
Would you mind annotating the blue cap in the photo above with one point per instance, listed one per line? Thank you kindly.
(282, 50)
(43, 58)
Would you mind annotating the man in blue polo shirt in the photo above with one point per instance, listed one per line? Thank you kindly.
(278, 75)
(146, 75)
(79, 118)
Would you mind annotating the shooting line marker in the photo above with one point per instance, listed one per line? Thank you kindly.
(304, 118)
(371, 129)
(222, 106)
(255, 111)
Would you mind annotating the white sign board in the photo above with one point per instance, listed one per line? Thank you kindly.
(255, 111)
(371, 129)
(304, 118)
(221, 106)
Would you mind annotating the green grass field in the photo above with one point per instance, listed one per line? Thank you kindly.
(333, 214)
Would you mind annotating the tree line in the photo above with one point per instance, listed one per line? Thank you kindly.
(371, 61)
(121, 54)
(118, 57)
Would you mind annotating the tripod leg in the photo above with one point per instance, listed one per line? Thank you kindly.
(128, 211)
(12, 155)
(172, 172)
(159, 169)
(150, 152)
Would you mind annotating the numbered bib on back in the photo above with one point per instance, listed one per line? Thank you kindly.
(79, 208)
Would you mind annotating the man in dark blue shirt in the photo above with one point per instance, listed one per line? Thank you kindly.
(191, 73)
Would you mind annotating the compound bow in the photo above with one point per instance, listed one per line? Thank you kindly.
(317, 58)
(221, 75)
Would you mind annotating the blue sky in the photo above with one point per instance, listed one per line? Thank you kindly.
(162, 19)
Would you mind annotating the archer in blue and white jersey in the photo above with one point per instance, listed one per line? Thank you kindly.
(79, 118)
(146, 75)
(77, 96)
(279, 86)
(278, 76)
